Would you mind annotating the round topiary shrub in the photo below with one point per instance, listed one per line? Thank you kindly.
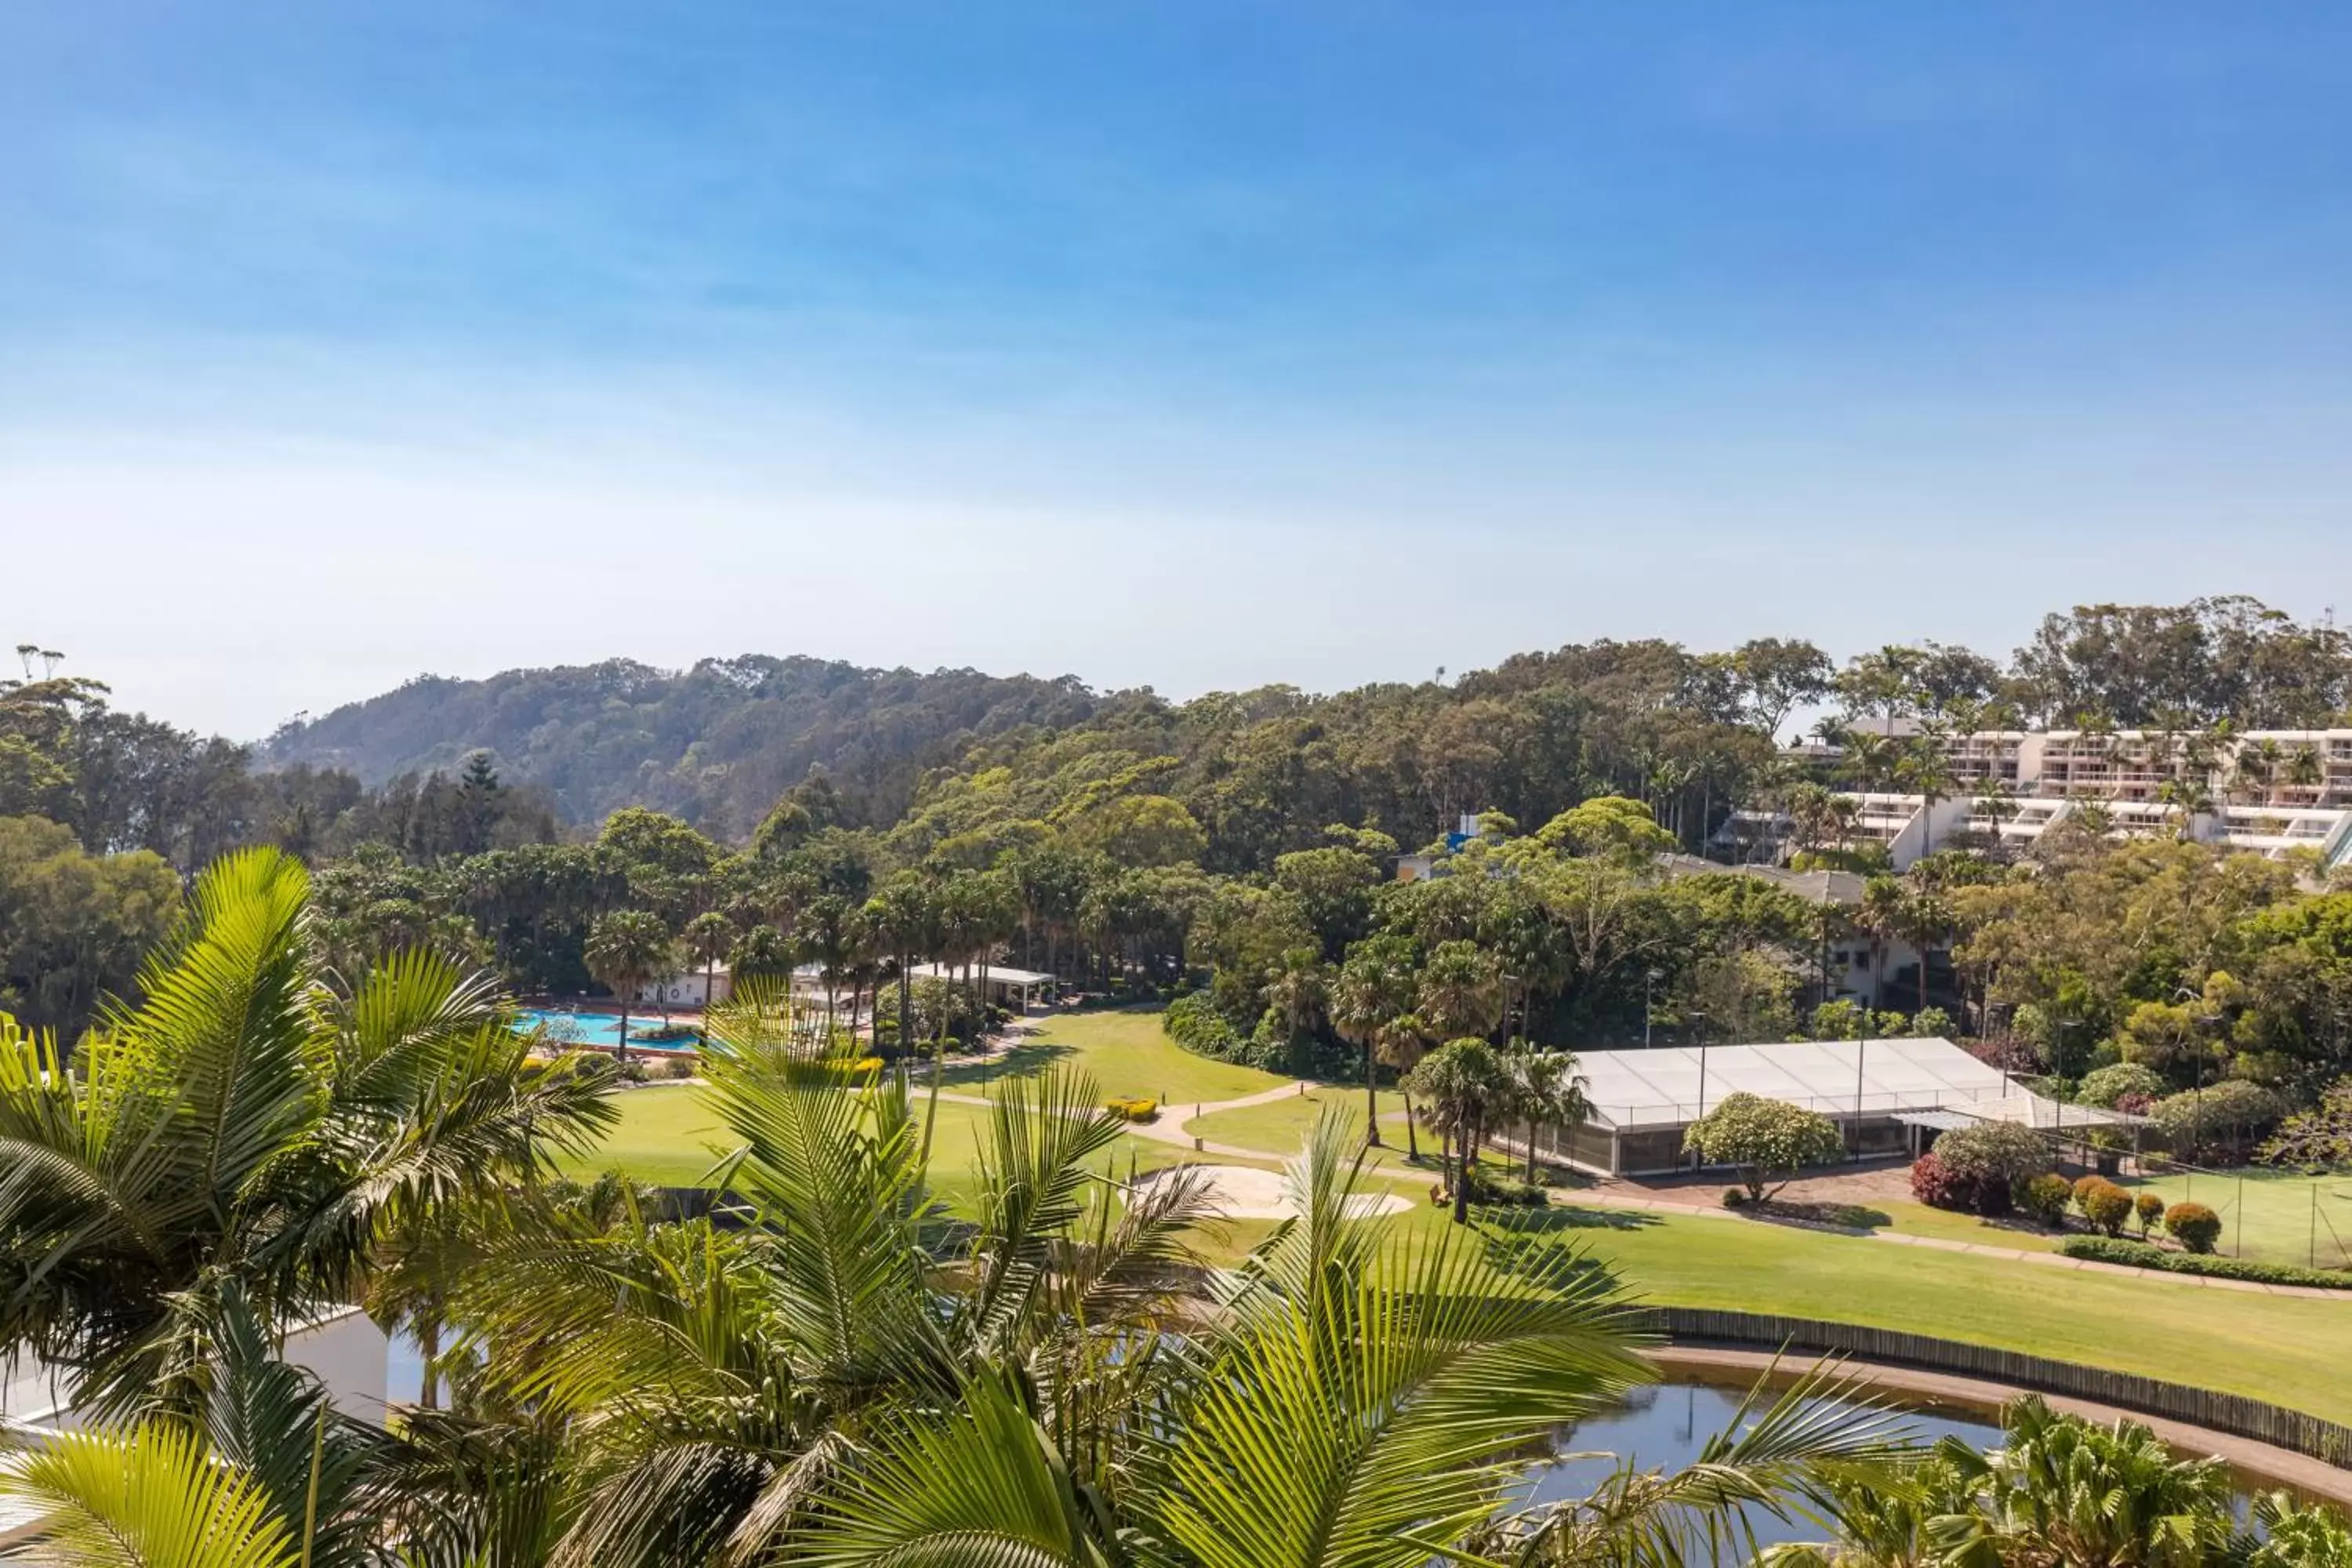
(1735, 1197)
(2150, 1209)
(2106, 1205)
(2044, 1198)
(2193, 1225)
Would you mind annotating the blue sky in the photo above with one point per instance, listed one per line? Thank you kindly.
(1194, 345)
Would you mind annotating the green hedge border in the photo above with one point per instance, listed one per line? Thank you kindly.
(2142, 1255)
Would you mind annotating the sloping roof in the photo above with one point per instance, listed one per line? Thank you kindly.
(997, 974)
(1661, 1086)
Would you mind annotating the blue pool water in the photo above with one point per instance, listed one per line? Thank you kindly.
(597, 1029)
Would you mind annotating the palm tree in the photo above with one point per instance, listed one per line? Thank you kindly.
(1299, 989)
(1925, 920)
(2188, 798)
(1880, 918)
(246, 1133)
(626, 950)
(1399, 1046)
(1373, 989)
(709, 937)
(1545, 1089)
(1461, 989)
(1463, 1083)
(2303, 768)
(901, 916)
(843, 1381)
(1998, 802)
(2059, 1490)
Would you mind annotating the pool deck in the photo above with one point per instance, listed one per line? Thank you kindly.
(2268, 1464)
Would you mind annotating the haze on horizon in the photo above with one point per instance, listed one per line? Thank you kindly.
(1191, 347)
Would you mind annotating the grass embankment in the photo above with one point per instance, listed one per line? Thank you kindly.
(669, 1136)
(1126, 1053)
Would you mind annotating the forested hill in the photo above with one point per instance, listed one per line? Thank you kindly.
(716, 744)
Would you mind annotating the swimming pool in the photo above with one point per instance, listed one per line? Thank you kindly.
(601, 1029)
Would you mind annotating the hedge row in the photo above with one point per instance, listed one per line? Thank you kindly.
(2140, 1254)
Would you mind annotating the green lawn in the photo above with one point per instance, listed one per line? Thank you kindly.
(667, 1135)
(1126, 1053)
(2275, 1217)
(2269, 1347)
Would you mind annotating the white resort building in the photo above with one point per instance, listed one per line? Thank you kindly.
(2267, 792)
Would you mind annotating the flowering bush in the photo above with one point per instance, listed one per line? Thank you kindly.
(1992, 1161)
(1933, 1184)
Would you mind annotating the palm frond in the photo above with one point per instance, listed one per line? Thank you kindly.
(977, 1487)
(153, 1498)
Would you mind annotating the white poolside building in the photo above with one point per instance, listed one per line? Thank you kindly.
(699, 988)
(1892, 1096)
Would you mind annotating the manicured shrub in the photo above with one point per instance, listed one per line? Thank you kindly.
(1933, 1184)
(2145, 1254)
(2106, 1205)
(2043, 1199)
(2151, 1210)
(2193, 1225)
(1134, 1109)
(1735, 1197)
(1491, 1187)
(678, 1066)
(1992, 1161)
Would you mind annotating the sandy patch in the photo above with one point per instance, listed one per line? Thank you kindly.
(1243, 1192)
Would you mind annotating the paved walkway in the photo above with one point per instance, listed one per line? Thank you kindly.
(1170, 1131)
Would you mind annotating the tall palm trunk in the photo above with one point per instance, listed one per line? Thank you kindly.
(906, 1040)
(1411, 1138)
(1372, 1098)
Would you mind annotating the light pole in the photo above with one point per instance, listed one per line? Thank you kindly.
(1649, 978)
(1699, 1019)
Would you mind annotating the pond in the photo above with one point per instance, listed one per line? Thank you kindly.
(1665, 1425)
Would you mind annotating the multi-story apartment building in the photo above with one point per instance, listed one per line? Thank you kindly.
(2266, 792)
